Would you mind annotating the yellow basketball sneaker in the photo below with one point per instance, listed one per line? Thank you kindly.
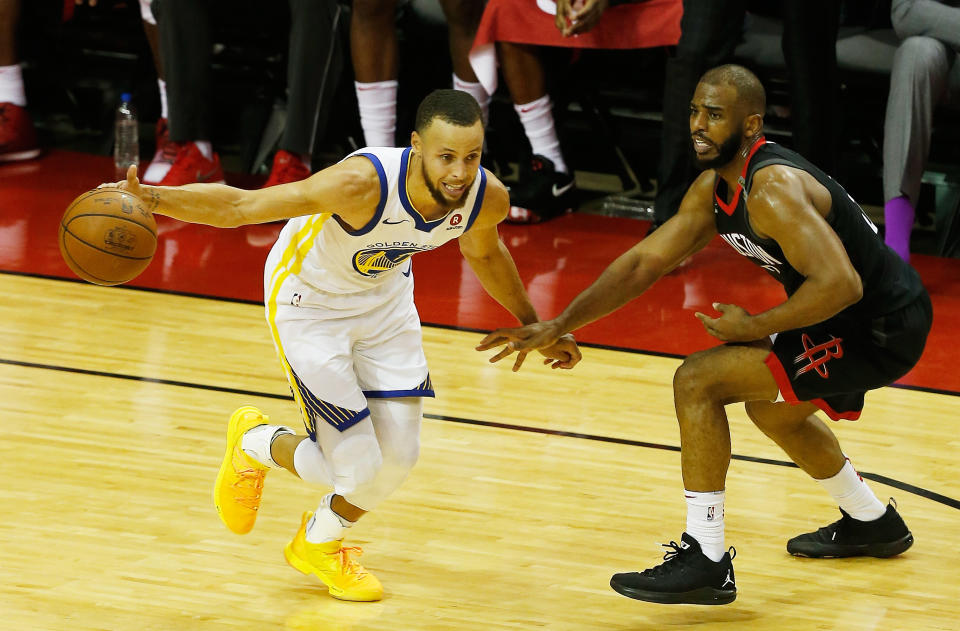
(240, 480)
(333, 564)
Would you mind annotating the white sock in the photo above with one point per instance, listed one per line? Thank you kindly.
(705, 521)
(326, 525)
(205, 147)
(256, 443)
(162, 87)
(537, 119)
(146, 13)
(378, 112)
(476, 91)
(11, 85)
(853, 495)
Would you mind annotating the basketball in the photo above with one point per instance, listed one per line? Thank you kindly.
(107, 236)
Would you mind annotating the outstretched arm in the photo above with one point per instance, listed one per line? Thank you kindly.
(627, 277)
(491, 262)
(349, 188)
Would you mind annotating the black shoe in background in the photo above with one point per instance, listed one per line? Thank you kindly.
(540, 193)
(849, 537)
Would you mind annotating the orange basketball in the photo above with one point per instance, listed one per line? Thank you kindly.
(107, 236)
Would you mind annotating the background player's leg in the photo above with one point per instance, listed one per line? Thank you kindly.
(810, 51)
(185, 51)
(709, 33)
(921, 67)
(373, 50)
(463, 18)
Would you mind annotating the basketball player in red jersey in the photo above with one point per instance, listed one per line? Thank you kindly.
(856, 318)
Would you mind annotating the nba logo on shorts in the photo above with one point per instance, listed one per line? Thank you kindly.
(295, 300)
(710, 512)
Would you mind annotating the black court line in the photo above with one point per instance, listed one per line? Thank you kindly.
(433, 325)
(903, 486)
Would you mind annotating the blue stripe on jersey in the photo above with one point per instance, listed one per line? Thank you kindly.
(317, 409)
(425, 389)
(478, 202)
(383, 196)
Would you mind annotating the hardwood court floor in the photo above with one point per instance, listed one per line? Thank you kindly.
(532, 488)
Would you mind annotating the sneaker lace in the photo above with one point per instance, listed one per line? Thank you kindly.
(249, 485)
(674, 552)
(349, 564)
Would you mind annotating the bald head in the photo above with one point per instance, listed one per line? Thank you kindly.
(750, 93)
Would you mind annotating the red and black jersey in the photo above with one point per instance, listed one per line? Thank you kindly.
(889, 283)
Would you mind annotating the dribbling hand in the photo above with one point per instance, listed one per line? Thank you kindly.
(131, 184)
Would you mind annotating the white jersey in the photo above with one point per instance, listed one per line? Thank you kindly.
(317, 262)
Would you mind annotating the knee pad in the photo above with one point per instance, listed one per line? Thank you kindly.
(310, 464)
(397, 423)
(355, 462)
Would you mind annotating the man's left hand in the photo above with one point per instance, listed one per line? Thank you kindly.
(735, 324)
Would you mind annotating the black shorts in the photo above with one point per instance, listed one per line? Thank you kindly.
(833, 363)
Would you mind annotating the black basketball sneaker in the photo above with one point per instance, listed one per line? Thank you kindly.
(540, 193)
(849, 537)
(686, 576)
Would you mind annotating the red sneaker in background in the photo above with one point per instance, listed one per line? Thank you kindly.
(190, 167)
(164, 157)
(287, 167)
(18, 140)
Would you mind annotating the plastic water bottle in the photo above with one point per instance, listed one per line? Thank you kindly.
(126, 147)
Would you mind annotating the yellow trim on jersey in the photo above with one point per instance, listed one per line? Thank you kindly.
(290, 263)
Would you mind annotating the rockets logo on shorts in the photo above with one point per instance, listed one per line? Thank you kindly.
(831, 349)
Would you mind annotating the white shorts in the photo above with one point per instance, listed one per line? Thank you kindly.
(335, 362)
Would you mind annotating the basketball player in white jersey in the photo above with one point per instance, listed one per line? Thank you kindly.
(338, 289)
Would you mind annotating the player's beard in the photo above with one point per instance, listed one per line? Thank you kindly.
(726, 152)
(438, 195)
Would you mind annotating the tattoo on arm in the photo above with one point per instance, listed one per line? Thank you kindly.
(154, 202)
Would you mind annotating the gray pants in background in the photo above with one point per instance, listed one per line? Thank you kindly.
(926, 72)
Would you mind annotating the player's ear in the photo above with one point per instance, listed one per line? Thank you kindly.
(753, 126)
(415, 141)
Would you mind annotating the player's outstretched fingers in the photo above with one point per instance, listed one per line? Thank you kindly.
(504, 352)
(495, 338)
(522, 355)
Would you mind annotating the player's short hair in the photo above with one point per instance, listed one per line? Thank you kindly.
(750, 91)
(453, 106)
